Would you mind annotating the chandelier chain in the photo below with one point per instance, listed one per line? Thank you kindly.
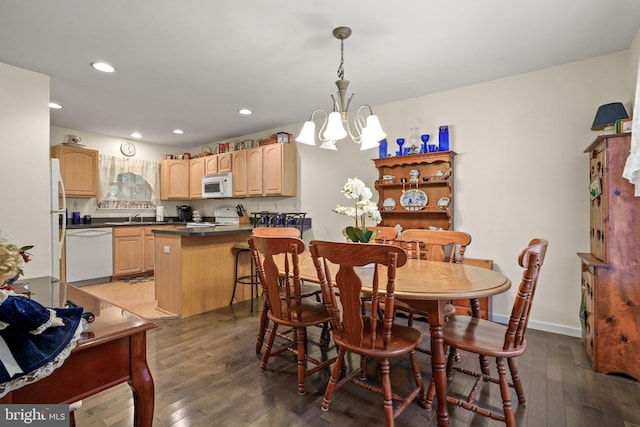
(341, 67)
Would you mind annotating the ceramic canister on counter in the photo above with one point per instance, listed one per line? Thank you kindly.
(159, 213)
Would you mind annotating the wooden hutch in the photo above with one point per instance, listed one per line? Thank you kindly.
(610, 312)
(435, 178)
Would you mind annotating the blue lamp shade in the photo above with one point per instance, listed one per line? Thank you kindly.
(607, 115)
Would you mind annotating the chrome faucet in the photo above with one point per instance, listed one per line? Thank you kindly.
(137, 214)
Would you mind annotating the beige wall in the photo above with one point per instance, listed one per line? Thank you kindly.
(520, 170)
(24, 149)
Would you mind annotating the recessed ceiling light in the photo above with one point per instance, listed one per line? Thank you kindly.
(136, 135)
(103, 66)
(245, 111)
(178, 131)
(55, 105)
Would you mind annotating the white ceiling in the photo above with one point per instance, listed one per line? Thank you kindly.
(191, 64)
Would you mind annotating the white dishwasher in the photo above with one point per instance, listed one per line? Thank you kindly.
(88, 256)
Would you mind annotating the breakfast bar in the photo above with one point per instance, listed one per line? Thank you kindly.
(194, 267)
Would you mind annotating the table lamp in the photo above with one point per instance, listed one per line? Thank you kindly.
(607, 115)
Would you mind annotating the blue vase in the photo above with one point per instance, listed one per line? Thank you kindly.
(443, 138)
(382, 149)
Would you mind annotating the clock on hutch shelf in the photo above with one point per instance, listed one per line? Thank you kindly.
(610, 308)
(425, 199)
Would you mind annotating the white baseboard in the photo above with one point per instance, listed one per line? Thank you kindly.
(543, 326)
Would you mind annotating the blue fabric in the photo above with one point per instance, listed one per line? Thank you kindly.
(34, 351)
(23, 313)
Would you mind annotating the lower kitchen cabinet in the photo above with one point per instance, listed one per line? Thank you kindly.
(133, 249)
(149, 255)
(128, 250)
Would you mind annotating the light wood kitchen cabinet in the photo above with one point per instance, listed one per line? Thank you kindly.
(79, 169)
(265, 171)
(174, 179)
(225, 162)
(610, 308)
(279, 170)
(128, 250)
(133, 249)
(239, 160)
(254, 171)
(149, 251)
(196, 172)
(210, 164)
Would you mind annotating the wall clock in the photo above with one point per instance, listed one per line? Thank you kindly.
(128, 149)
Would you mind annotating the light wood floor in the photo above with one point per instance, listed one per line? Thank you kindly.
(206, 374)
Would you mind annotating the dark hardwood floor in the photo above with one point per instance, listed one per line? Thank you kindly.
(206, 373)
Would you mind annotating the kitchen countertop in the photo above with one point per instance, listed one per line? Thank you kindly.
(96, 224)
(207, 231)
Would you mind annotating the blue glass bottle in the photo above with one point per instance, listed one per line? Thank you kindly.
(443, 138)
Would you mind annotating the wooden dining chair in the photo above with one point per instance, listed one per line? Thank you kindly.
(276, 232)
(362, 334)
(502, 342)
(270, 232)
(433, 245)
(286, 305)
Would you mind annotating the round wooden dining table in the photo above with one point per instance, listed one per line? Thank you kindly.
(427, 286)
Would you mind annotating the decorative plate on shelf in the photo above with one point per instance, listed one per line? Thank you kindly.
(443, 202)
(413, 200)
(389, 204)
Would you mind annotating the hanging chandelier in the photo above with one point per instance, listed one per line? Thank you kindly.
(365, 130)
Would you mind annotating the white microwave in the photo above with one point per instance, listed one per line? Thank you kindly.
(217, 186)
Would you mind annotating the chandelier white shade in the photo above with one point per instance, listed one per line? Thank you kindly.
(365, 130)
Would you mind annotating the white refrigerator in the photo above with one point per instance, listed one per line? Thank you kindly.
(58, 215)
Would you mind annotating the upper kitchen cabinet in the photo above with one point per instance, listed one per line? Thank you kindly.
(196, 172)
(79, 169)
(279, 170)
(210, 164)
(174, 179)
(270, 170)
(224, 162)
(254, 171)
(239, 162)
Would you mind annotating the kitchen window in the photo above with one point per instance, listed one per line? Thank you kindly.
(127, 183)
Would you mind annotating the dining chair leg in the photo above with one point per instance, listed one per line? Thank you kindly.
(335, 374)
(267, 351)
(325, 338)
(262, 329)
(302, 358)
(484, 364)
(417, 375)
(385, 369)
(431, 393)
(505, 393)
(363, 368)
(515, 378)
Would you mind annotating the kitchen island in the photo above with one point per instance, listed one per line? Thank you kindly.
(194, 267)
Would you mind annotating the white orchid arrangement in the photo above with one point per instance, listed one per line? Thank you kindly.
(363, 208)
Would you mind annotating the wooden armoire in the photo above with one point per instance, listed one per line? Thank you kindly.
(610, 309)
